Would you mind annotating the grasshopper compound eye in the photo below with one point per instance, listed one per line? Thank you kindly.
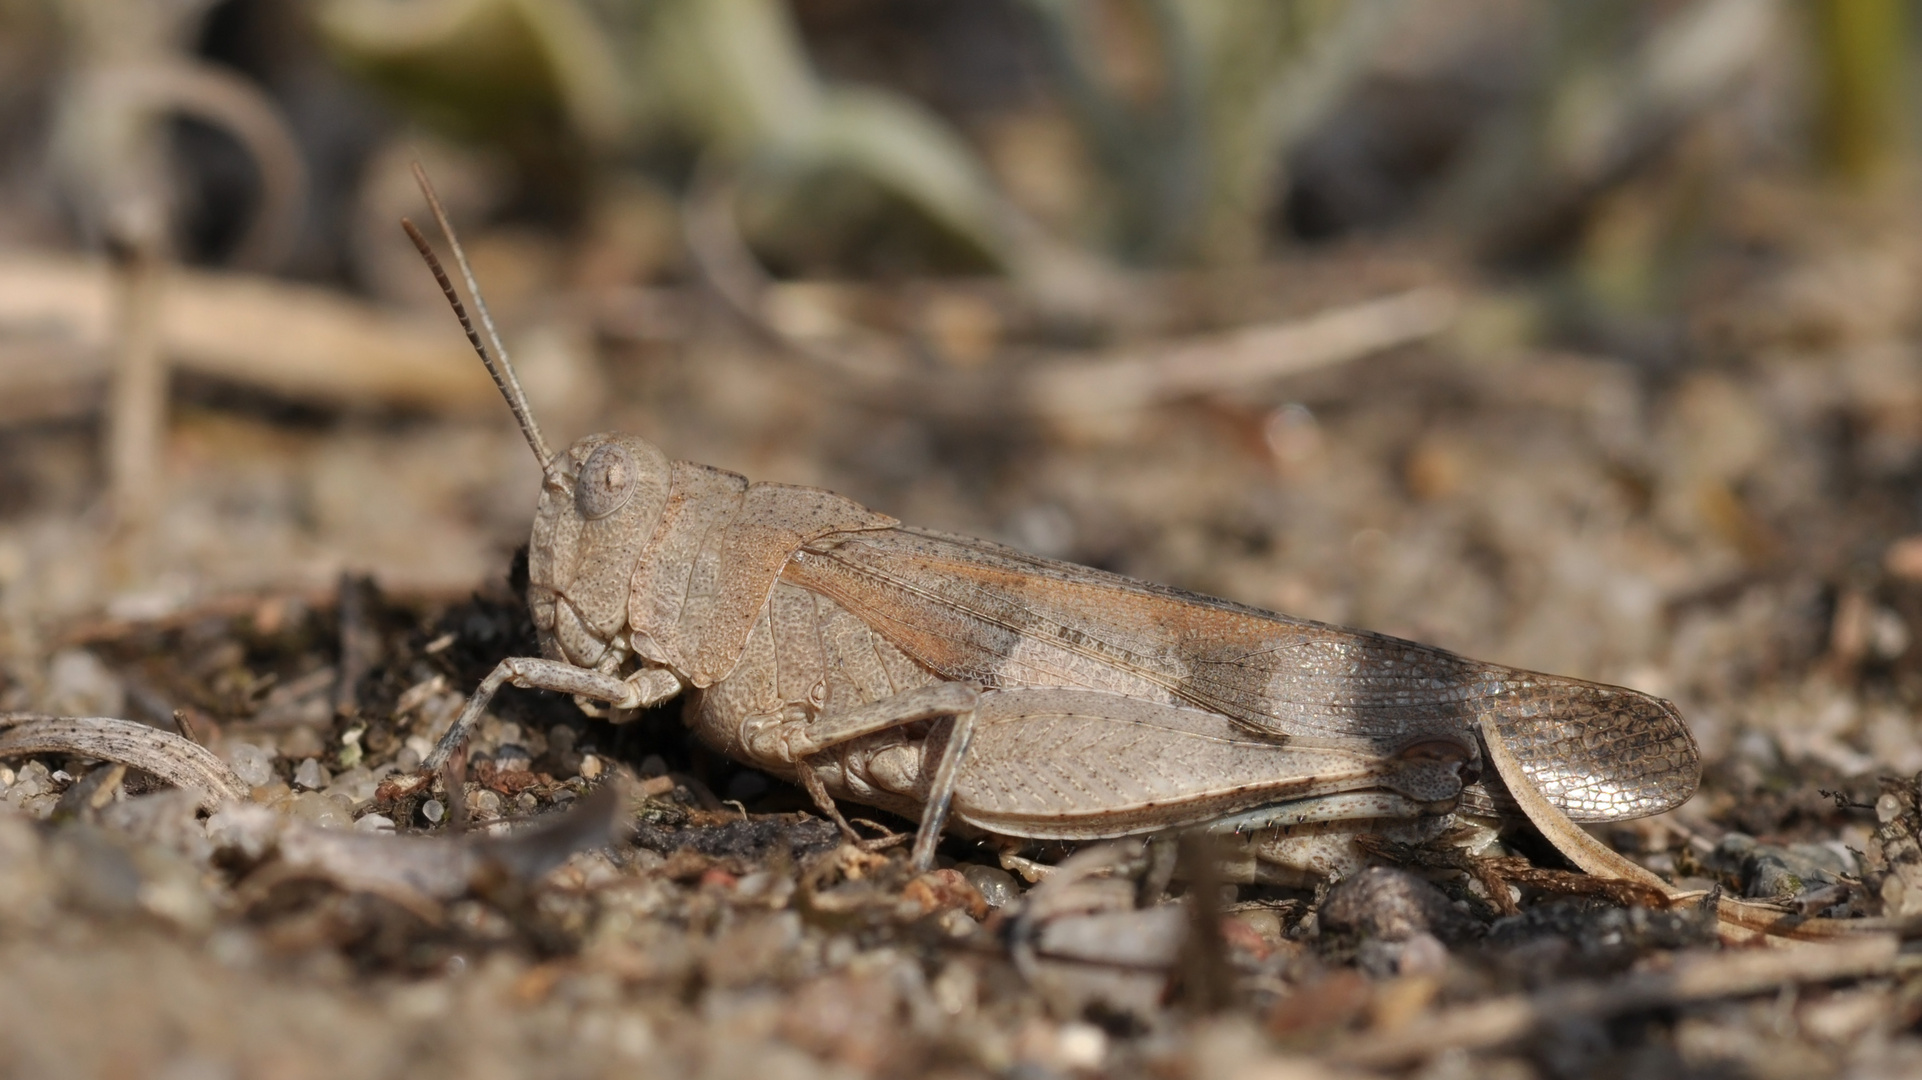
(606, 483)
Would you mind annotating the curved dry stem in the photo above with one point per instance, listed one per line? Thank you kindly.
(234, 106)
(164, 754)
(722, 257)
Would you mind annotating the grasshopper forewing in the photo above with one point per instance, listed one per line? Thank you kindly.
(1031, 699)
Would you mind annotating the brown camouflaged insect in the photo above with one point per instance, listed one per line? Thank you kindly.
(947, 678)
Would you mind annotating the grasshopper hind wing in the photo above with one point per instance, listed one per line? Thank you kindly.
(1601, 753)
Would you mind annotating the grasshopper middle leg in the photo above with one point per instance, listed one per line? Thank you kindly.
(794, 742)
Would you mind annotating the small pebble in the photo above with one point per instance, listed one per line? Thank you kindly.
(995, 885)
(1770, 877)
(591, 767)
(317, 809)
(79, 683)
(1265, 923)
(374, 823)
(1392, 905)
(31, 780)
(271, 792)
(312, 775)
(1080, 1046)
(1423, 954)
(252, 764)
(356, 785)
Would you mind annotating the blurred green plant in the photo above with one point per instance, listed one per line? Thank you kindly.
(1192, 147)
(1601, 172)
(1863, 60)
(1615, 85)
(505, 71)
(730, 78)
(1192, 106)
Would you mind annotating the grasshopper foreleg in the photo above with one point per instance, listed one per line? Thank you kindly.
(648, 686)
(794, 743)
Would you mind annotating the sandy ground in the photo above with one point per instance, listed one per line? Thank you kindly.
(1729, 535)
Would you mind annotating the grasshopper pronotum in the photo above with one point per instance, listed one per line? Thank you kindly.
(943, 677)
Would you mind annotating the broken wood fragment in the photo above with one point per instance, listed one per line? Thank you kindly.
(298, 341)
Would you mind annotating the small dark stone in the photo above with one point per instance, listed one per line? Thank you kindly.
(1769, 876)
(802, 835)
(1393, 905)
(1770, 871)
(1588, 937)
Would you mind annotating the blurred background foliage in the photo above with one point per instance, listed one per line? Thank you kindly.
(1061, 143)
(927, 200)
(1578, 335)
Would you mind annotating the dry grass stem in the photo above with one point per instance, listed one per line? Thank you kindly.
(293, 340)
(167, 756)
(1695, 978)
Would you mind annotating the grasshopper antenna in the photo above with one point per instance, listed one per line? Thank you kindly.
(497, 362)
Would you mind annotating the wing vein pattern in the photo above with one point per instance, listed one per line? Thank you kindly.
(973, 610)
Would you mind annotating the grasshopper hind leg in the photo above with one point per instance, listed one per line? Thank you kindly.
(1352, 806)
(1306, 854)
(947, 775)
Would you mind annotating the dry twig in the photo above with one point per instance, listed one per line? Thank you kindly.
(167, 756)
(1077, 385)
(1238, 359)
(297, 341)
(1700, 977)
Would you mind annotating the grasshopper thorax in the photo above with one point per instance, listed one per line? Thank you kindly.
(600, 505)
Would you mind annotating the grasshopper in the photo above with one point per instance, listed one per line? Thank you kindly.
(946, 678)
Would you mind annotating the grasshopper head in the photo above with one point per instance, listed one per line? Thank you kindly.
(600, 504)
(600, 501)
